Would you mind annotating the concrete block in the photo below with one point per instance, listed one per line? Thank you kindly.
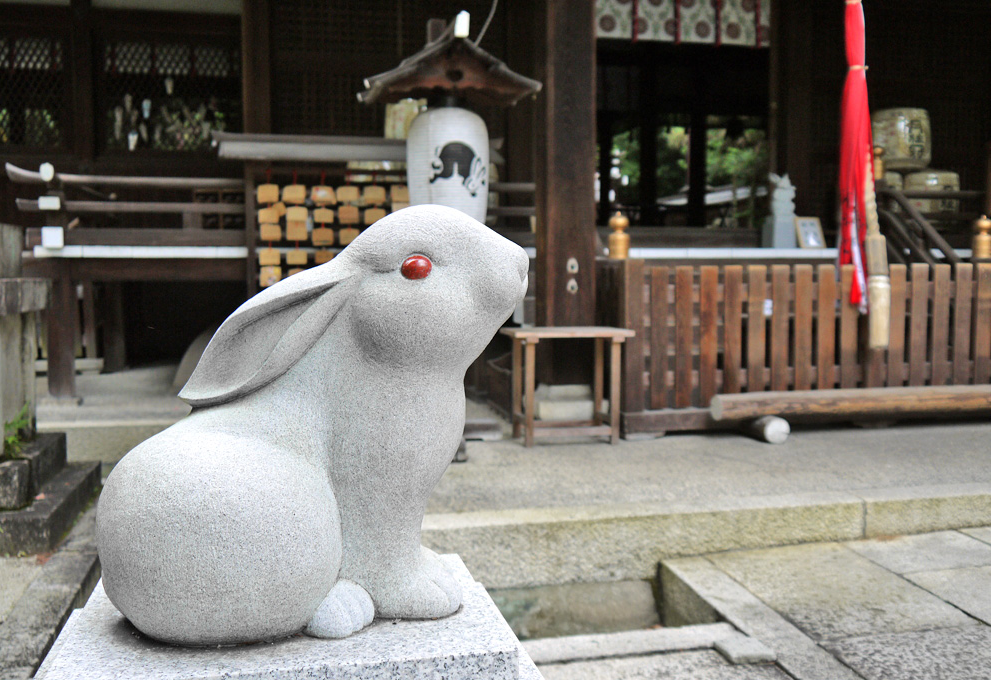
(15, 483)
(967, 588)
(925, 552)
(475, 642)
(796, 652)
(921, 509)
(39, 526)
(740, 649)
(578, 544)
(830, 592)
(697, 665)
(627, 643)
(958, 653)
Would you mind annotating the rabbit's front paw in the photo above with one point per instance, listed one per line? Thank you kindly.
(347, 609)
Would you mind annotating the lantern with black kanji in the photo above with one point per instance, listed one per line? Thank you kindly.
(447, 151)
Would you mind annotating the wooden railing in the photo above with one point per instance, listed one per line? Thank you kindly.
(703, 331)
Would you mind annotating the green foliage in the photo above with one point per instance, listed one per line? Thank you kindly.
(13, 439)
(740, 161)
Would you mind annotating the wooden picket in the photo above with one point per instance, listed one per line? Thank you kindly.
(704, 331)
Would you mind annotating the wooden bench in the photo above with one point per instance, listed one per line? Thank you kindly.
(524, 377)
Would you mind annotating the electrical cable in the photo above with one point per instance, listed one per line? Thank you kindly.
(485, 26)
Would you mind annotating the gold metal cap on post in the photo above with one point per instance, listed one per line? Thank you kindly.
(878, 163)
(619, 240)
(981, 244)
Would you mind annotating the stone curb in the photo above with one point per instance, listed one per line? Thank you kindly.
(577, 544)
(628, 643)
(696, 589)
(64, 584)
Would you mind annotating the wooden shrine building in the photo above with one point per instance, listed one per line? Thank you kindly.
(146, 89)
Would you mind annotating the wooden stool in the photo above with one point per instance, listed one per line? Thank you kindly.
(524, 375)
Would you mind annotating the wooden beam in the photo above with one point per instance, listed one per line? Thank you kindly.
(855, 403)
(256, 66)
(142, 237)
(565, 152)
(22, 176)
(116, 207)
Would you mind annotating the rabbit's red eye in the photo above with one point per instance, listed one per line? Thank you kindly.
(416, 267)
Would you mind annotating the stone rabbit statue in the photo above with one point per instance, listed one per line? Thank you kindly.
(325, 410)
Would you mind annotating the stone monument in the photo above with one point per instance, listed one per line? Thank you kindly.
(779, 227)
(325, 409)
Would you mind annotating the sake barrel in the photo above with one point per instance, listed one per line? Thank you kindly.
(447, 160)
(933, 180)
(905, 136)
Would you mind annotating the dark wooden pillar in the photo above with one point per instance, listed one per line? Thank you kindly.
(565, 162)
(63, 321)
(83, 127)
(256, 66)
(114, 353)
(792, 66)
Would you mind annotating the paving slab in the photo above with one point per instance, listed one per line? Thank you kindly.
(925, 552)
(702, 665)
(16, 574)
(944, 654)
(980, 533)
(967, 588)
(719, 596)
(830, 592)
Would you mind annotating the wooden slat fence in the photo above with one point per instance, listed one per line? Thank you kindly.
(710, 330)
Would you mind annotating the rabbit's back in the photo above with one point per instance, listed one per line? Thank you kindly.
(181, 521)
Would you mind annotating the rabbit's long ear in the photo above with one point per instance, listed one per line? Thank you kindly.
(267, 335)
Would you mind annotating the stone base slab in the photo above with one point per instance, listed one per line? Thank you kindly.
(99, 643)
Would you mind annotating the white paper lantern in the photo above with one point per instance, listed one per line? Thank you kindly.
(447, 160)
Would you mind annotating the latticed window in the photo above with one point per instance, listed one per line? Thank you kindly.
(168, 95)
(32, 91)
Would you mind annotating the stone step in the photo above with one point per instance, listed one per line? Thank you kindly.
(575, 544)
(39, 527)
(47, 454)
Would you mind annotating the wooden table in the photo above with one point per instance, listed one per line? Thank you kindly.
(524, 374)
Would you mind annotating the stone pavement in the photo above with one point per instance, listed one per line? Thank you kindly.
(583, 511)
(890, 608)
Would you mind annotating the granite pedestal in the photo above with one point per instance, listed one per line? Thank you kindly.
(98, 643)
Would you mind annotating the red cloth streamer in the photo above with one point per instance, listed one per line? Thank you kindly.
(677, 22)
(634, 12)
(856, 155)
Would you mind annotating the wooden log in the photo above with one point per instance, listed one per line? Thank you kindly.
(855, 403)
(770, 429)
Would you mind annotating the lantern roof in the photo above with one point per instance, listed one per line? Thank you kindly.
(450, 65)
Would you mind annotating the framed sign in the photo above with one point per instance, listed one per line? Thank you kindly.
(808, 232)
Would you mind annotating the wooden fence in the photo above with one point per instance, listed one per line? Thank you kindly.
(710, 330)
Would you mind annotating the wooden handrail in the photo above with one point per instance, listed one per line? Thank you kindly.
(928, 230)
(28, 205)
(23, 176)
(143, 237)
(900, 231)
